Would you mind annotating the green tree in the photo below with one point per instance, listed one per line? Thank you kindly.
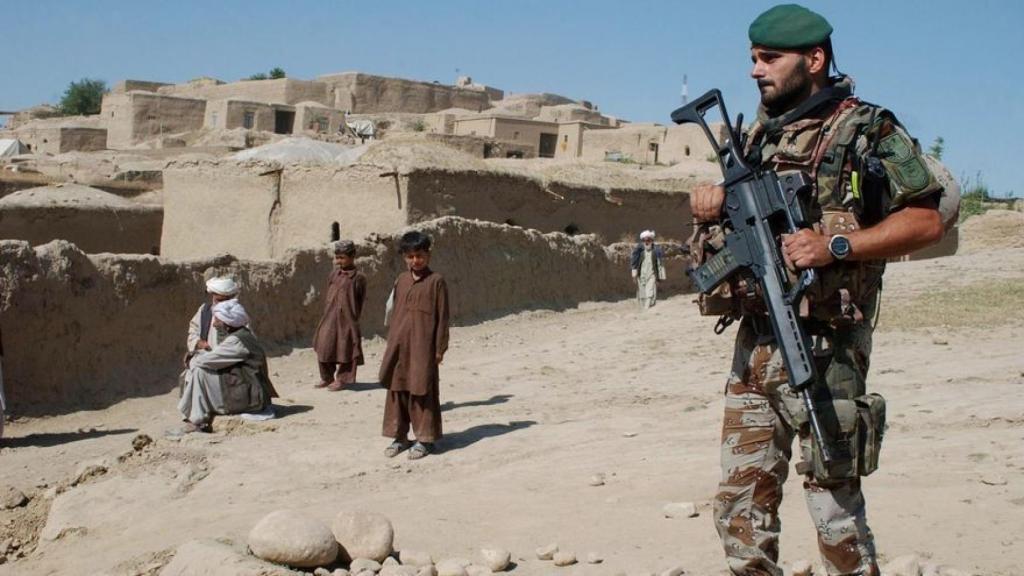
(83, 97)
(937, 148)
(276, 73)
(258, 76)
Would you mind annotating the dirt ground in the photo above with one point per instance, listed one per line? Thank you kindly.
(535, 405)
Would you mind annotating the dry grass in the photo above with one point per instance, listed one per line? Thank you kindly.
(979, 305)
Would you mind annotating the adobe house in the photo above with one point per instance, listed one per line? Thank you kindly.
(136, 116)
(94, 220)
(56, 139)
(272, 208)
(646, 144)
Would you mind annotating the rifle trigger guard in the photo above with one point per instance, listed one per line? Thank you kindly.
(723, 323)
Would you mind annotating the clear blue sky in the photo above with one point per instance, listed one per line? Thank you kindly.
(945, 67)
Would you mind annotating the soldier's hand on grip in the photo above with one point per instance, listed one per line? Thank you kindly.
(706, 202)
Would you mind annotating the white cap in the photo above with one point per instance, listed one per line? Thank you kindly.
(222, 286)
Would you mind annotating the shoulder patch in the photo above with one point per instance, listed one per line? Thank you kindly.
(903, 163)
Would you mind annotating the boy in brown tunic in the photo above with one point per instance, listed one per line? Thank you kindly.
(417, 341)
(338, 341)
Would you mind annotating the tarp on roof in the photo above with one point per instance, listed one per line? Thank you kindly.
(300, 149)
(10, 147)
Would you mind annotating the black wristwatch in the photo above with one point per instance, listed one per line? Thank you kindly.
(839, 246)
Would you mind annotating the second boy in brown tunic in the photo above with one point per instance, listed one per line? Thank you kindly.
(417, 342)
(338, 340)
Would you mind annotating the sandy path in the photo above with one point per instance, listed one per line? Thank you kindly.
(538, 402)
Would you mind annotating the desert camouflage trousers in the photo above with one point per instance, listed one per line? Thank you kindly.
(762, 417)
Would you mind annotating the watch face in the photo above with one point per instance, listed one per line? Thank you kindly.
(839, 246)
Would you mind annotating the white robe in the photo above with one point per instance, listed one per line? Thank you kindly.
(194, 331)
(647, 281)
(201, 397)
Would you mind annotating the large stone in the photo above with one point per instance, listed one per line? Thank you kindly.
(290, 538)
(212, 558)
(680, 510)
(415, 558)
(564, 558)
(363, 535)
(496, 559)
(426, 571)
(908, 565)
(11, 497)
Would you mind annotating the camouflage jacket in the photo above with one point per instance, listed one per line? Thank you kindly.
(830, 137)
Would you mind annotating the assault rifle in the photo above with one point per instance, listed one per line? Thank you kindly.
(759, 206)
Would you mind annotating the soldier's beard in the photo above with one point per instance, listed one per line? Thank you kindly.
(789, 91)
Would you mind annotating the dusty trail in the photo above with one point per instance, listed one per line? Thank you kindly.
(538, 402)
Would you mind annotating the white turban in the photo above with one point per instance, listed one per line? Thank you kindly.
(647, 234)
(223, 286)
(231, 312)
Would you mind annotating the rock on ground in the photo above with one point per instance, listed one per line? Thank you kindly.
(676, 571)
(364, 565)
(547, 552)
(415, 558)
(496, 559)
(363, 535)
(594, 558)
(477, 570)
(400, 570)
(290, 538)
(212, 558)
(564, 559)
(11, 497)
(680, 510)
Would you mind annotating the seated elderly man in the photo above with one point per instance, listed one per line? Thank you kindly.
(200, 336)
(232, 378)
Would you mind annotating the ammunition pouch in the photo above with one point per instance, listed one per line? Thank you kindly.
(707, 240)
(855, 429)
(842, 288)
(871, 415)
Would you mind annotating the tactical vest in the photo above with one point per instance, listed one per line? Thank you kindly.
(830, 149)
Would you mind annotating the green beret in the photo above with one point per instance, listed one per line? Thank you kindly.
(789, 26)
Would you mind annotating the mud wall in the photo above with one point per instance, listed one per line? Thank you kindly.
(357, 198)
(612, 214)
(275, 91)
(260, 211)
(134, 230)
(84, 331)
(367, 94)
(212, 209)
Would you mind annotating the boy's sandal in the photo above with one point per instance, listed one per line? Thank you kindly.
(418, 450)
(322, 385)
(395, 448)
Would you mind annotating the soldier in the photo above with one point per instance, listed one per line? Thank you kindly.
(874, 199)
